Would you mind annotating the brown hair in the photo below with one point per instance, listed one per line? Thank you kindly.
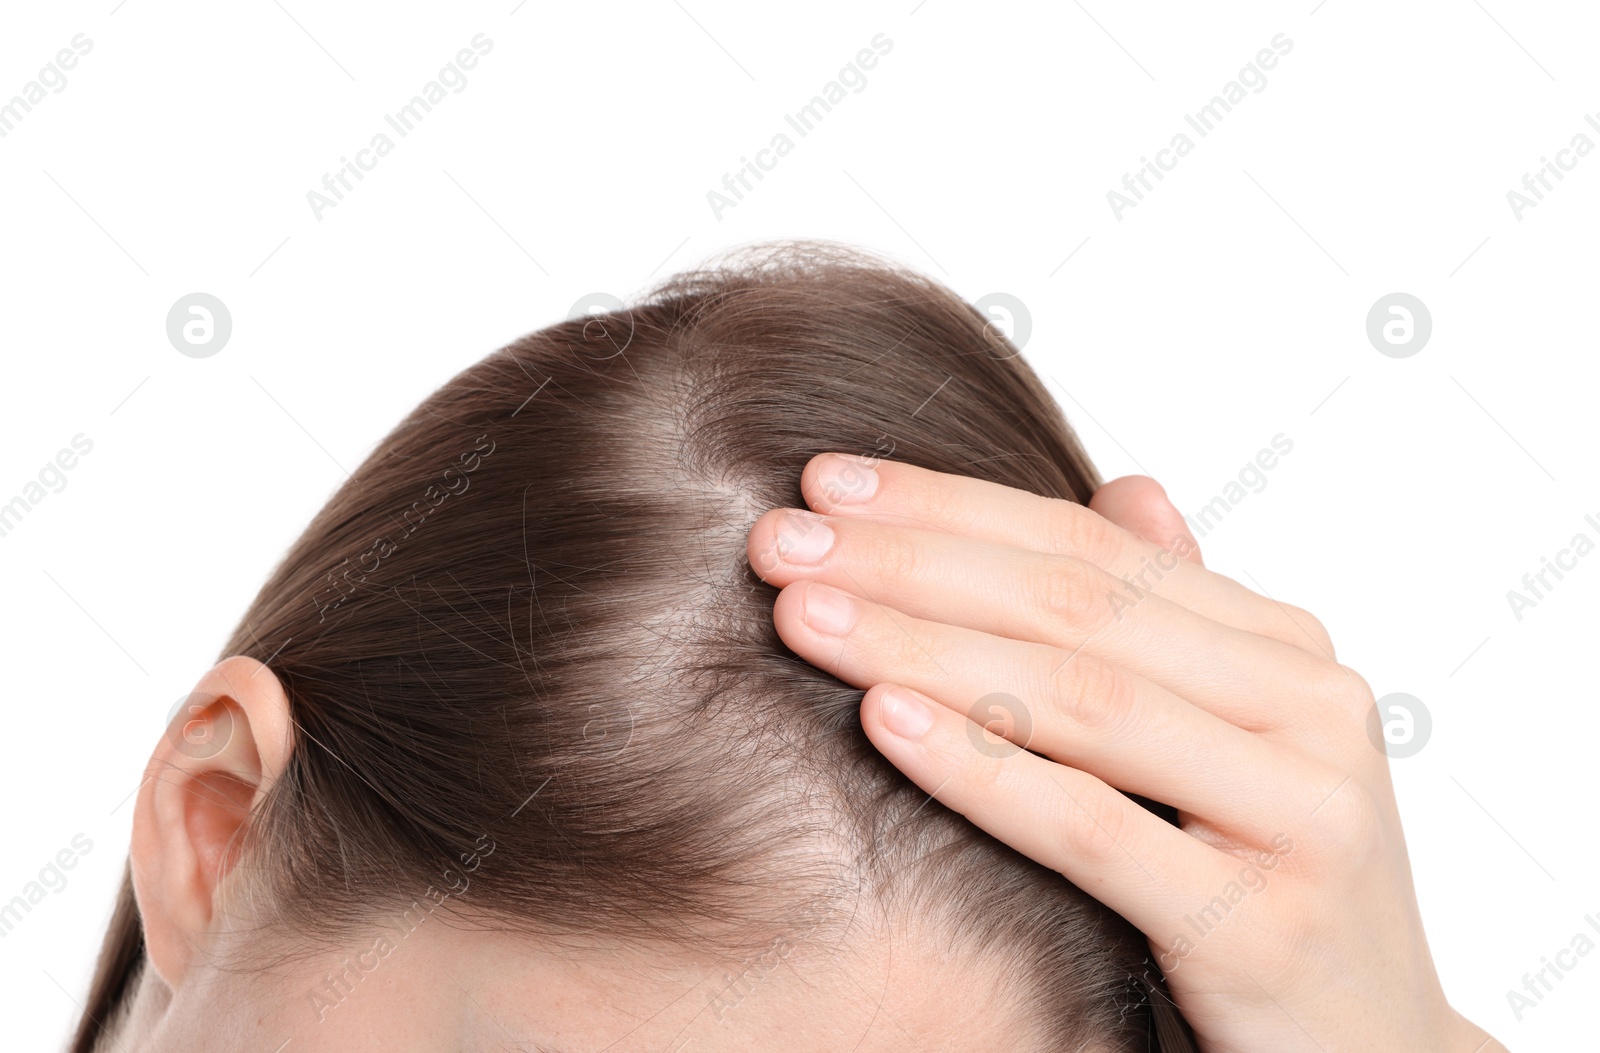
(529, 616)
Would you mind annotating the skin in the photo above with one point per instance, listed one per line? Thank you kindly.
(1192, 690)
(1281, 908)
(222, 977)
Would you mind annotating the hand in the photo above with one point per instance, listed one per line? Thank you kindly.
(1281, 908)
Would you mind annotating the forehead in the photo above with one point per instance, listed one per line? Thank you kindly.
(479, 992)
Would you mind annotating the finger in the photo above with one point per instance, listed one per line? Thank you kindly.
(1130, 859)
(893, 492)
(1139, 505)
(1034, 596)
(1087, 713)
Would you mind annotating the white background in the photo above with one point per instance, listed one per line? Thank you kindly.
(1227, 307)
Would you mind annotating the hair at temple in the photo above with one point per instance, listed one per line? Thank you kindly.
(529, 614)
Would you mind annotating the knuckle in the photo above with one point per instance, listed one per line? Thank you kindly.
(1311, 626)
(1354, 697)
(1338, 691)
(939, 503)
(1072, 529)
(1088, 826)
(1090, 693)
(898, 648)
(982, 773)
(1359, 689)
(1069, 594)
(1345, 824)
(1359, 704)
(893, 556)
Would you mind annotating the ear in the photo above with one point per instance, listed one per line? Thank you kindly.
(226, 745)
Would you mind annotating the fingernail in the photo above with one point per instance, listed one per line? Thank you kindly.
(804, 538)
(828, 610)
(905, 714)
(846, 480)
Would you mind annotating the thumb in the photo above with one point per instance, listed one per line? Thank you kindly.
(1138, 504)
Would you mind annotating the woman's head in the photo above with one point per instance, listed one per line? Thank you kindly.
(524, 720)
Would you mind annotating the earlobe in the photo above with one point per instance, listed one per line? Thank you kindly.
(210, 770)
